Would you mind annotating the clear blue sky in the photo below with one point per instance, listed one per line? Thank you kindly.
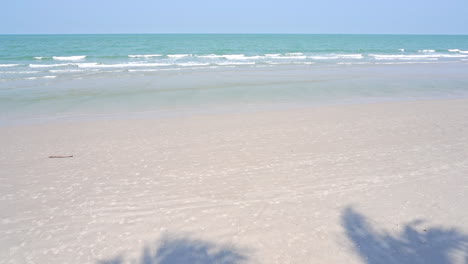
(235, 16)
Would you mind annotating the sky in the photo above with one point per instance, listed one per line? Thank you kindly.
(235, 16)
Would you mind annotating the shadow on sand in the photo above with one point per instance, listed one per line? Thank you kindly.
(177, 250)
(414, 245)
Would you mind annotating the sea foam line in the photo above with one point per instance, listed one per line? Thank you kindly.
(177, 56)
(8, 65)
(42, 77)
(279, 56)
(19, 72)
(420, 57)
(338, 56)
(65, 71)
(282, 57)
(231, 56)
(459, 51)
(48, 65)
(210, 56)
(68, 58)
(288, 63)
(403, 57)
(121, 65)
(235, 57)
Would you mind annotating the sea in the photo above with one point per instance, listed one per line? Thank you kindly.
(46, 77)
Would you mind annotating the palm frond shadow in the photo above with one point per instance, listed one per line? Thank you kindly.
(178, 250)
(414, 245)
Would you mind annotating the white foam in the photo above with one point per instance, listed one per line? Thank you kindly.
(401, 50)
(86, 64)
(177, 56)
(19, 72)
(306, 62)
(145, 70)
(288, 57)
(145, 56)
(273, 55)
(42, 77)
(350, 56)
(338, 56)
(231, 56)
(452, 56)
(39, 58)
(454, 50)
(235, 56)
(416, 57)
(156, 70)
(210, 56)
(294, 54)
(68, 58)
(405, 57)
(48, 65)
(404, 62)
(463, 51)
(65, 71)
(321, 57)
(8, 65)
(254, 57)
(121, 65)
(427, 51)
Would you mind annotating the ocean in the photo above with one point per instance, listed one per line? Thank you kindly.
(73, 75)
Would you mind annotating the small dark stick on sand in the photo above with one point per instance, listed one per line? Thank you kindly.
(58, 157)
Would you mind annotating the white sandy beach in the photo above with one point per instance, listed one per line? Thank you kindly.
(329, 184)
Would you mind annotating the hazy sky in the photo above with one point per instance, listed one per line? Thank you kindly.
(235, 16)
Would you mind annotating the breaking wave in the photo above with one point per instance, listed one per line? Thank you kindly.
(8, 65)
(68, 58)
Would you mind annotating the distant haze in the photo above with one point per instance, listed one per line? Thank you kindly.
(241, 16)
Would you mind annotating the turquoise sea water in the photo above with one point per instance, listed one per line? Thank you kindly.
(36, 56)
(60, 74)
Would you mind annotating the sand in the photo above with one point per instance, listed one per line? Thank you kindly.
(368, 183)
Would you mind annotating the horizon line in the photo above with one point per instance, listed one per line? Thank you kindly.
(413, 34)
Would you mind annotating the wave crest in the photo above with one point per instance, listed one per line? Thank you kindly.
(8, 65)
(69, 58)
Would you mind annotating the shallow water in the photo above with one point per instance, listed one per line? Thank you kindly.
(215, 90)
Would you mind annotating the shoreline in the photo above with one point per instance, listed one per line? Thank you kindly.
(285, 185)
(187, 113)
(237, 90)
